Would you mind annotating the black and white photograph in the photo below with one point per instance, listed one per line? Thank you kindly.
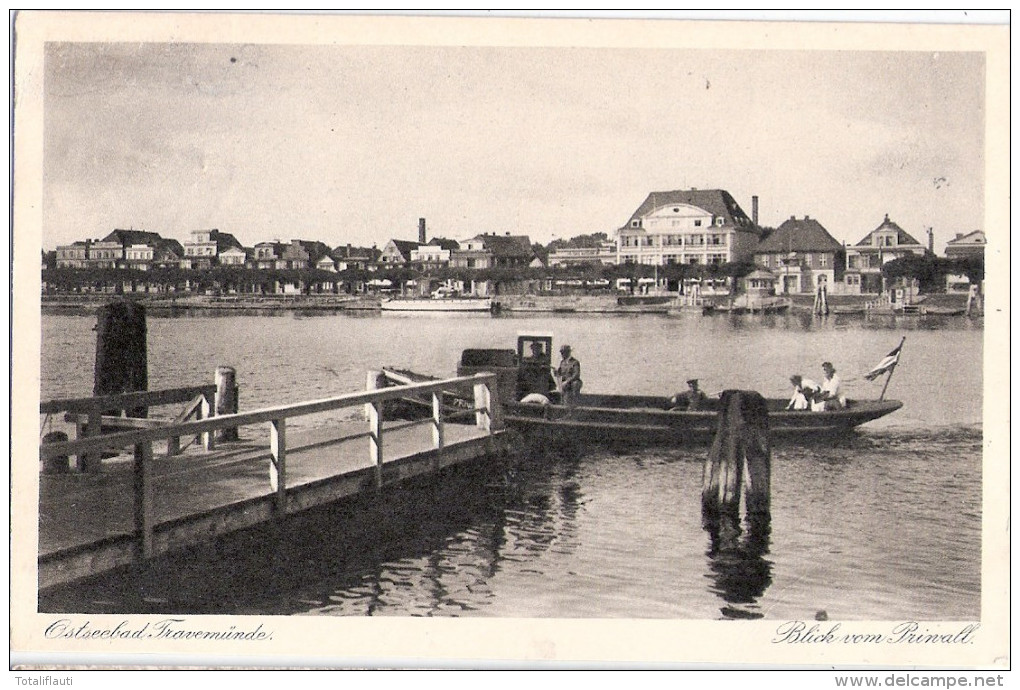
(582, 340)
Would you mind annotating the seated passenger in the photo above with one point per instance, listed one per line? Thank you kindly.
(830, 398)
(692, 399)
(804, 393)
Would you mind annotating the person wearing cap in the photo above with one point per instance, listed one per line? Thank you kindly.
(568, 377)
(804, 393)
(831, 397)
(692, 399)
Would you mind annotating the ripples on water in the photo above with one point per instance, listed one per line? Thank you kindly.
(883, 525)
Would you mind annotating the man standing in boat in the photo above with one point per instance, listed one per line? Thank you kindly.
(568, 375)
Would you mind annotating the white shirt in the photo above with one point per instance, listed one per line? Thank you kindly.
(799, 401)
(830, 389)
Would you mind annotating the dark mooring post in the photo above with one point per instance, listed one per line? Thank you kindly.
(226, 399)
(121, 354)
(121, 362)
(741, 443)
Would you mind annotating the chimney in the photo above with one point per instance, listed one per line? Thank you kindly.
(959, 235)
(931, 241)
(754, 210)
(807, 217)
(421, 231)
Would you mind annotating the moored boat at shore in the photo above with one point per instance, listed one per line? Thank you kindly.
(454, 304)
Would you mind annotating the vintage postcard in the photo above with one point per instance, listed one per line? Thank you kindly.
(460, 341)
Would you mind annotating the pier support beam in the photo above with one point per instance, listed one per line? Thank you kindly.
(145, 518)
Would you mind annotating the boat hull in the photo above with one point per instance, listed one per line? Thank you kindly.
(643, 420)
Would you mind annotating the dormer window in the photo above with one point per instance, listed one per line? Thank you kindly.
(720, 221)
(635, 223)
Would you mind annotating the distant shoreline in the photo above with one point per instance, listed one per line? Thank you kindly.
(543, 304)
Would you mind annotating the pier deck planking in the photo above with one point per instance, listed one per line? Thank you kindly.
(87, 523)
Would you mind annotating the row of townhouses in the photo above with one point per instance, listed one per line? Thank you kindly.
(694, 227)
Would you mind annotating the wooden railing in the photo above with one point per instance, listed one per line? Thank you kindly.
(90, 415)
(486, 410)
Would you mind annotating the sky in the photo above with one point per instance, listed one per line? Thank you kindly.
(352, 144)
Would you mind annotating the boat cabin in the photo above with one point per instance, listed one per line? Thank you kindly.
(519, 373)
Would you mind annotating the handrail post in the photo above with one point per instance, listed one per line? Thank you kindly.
(278, 463)
(374, 412)
(91, 462)
(438, 432)
(144, 509)
(483, 418)
(208, 409)
(495, 405)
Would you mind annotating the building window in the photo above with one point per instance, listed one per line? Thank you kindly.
(635, 224)
(697, 223)
(823, 260)
(720, 221)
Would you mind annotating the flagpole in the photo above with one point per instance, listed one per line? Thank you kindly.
(893, 368)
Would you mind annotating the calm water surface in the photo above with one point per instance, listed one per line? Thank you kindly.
(884, 525)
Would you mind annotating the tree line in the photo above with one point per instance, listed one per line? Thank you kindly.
(264, 280)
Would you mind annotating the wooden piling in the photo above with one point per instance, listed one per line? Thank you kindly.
(226, 399)
(741, 443)
(121, 353)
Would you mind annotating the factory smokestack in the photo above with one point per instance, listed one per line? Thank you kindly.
(421, 231)
(931, 241)
(754, 210)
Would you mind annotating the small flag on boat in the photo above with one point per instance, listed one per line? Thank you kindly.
(886, 364)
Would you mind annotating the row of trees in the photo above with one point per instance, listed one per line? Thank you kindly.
(930, 271)
(254, 280)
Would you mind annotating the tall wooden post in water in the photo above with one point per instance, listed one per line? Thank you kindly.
(121, 351)
(741, 443)
(121, 363)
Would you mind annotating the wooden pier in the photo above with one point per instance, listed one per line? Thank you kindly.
(133, 508)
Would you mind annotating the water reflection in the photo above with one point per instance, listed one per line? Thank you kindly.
(737, 566)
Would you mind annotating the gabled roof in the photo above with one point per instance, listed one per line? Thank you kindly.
(507, 246)
(126, 238)
(718, 202)
(902, 237)
(404, 247)
(443, 243)
(315, 249)
(171, 246)
(975, 237)
(350, 252)
(224, 240)
(799, 235)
